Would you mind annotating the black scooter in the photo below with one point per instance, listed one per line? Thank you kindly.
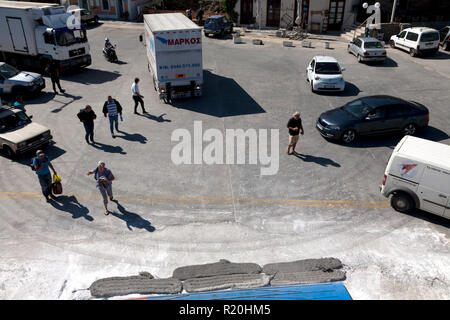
(110, 54)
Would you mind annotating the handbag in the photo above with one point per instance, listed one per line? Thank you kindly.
(56, 185)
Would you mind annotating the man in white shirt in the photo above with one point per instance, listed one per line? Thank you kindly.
(137, 97)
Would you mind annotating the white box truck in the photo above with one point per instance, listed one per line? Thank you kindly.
(34, 34)
(174, 53)
(418, 176)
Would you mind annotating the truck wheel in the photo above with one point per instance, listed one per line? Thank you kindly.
(402, 202)
(412, 52)
(9, 153)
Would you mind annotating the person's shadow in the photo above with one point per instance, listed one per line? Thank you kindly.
(72, 206)
(132, 137)
(325, 162)
(108, 148)
(155, 118)
(132, 219)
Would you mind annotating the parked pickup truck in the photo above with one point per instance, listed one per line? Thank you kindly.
(15, 82)
(18, 134)
(217, 25)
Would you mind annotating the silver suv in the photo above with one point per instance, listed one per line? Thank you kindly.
(18, 134)
(367, 49)
(16, 82)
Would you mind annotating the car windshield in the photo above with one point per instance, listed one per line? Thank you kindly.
(328, 68)
(69, 37)
(8, 71)
(13, 121)
(373, 45)
(431, 36)
(357, 108)
(212, 22)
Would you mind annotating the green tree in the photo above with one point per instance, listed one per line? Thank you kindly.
(229, 9)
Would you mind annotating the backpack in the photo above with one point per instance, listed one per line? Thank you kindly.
(37, 159)
(80, 115)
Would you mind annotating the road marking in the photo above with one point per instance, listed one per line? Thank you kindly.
(210, 200)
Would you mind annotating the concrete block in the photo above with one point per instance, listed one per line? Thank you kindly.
(257, 41)
(235, 281)
(307, 277)
(288, 44)
(323, 264)
(223, 267)
(306, 43)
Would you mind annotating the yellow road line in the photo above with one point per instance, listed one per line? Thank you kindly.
(212, 201)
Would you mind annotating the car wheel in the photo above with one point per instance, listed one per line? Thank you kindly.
(359, 58)
(206, 34)
(222, 33)
(392, 43)
(410, 129)
(312, 86)
(348, 136)
(412, 52)
(402, 202)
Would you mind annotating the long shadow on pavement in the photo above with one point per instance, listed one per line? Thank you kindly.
(132, 219)
(72, 206)
(225, 98)
(324, 162)
(63, 105)
(155, 118)
(108, 148)
(429, 217)
(349, 91)
(52, 151)
(137, 137)
(91, 76)
(388, 63)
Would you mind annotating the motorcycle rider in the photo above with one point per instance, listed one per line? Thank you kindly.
(109, 49)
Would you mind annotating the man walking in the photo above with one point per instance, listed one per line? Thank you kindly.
(53, 70)
(41, 163)
(87, 116)
(112, 108)
(104, 179)
(295, 129)
(137, 97)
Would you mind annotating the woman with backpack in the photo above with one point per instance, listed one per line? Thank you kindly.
(104, 179)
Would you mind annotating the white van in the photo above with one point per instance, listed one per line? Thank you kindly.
(417, 41)
(418, 176)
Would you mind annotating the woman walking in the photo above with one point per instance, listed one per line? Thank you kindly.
(104, 179)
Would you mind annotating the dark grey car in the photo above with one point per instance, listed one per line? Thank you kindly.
(373, 115)
(367, 49)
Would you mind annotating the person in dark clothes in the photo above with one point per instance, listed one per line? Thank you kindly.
(87, 116)
(200, 17)
(295, 129)
(53, 70)
(112, 108)
(41, 164)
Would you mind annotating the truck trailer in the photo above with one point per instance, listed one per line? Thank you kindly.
(174, 53)
(35, 34)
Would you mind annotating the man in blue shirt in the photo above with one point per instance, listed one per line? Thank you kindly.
(41, 165)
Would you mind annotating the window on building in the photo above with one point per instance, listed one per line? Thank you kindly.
(105, 5)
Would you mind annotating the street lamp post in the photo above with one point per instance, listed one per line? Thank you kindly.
(393, 10)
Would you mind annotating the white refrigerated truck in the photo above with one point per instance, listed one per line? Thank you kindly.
(174, 53)
(33, 34)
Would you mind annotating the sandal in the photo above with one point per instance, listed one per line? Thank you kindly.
(106, 212)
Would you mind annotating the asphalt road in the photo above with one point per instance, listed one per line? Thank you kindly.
(325, 203)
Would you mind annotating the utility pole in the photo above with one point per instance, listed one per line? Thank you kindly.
(393, 10)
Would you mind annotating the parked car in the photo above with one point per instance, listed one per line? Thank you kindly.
(444, 38)
(417, 176)
(217, 25)
(417, 41)
(85, 15)
(367, 49)
(16, 82)
(18, 134)
(372, 115)
(325, 74)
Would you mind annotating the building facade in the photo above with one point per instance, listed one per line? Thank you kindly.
(316, 15)
(111, 9)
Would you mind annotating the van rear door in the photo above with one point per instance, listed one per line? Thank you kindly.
(434, 190)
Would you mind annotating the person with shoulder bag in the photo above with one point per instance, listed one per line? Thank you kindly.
(41, 164)
(104, 179)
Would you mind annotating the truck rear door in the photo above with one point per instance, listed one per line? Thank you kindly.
(17, 34)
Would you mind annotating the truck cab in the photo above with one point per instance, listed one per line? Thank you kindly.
(217, 25)
(18, 134)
